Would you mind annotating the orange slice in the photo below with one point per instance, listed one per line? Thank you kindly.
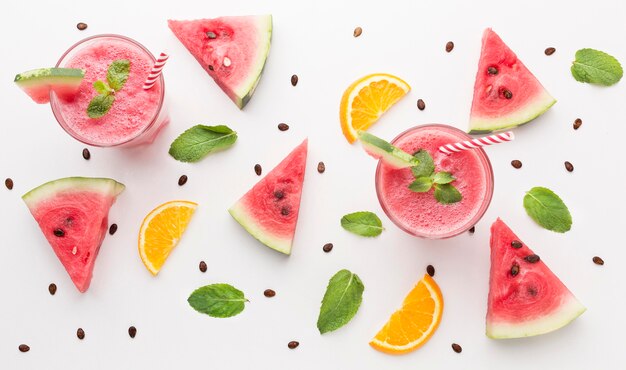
(367, 99)
(161, 230)
(413, 324)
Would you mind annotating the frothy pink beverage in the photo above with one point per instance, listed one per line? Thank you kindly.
(419, 213)
(136, 115)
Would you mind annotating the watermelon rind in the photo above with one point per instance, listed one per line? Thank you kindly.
(566, 313)
(239, 213)
(51, 76)
(379, 148)
(247, 88)
(44, 191)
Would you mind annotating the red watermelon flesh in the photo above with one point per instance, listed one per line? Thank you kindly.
(269, 211)
(73, 214)
(506, 93)
(526, 302)
(232, 50)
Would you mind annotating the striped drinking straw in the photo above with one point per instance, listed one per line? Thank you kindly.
(156, 71)
(477, 143)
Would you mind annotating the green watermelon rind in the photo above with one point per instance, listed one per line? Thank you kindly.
(247, 88)
(240, 215)
(566, 313)
(49, 189)
(522, 116)
(50, 76)
(388, 153)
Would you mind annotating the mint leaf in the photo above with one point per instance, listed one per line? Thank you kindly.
(341, 301)
(447, 194)
(102, 88)
(547, 209)
(421, 185)
(198, 141)
(218, 300)
(596, 67)
(117, 73)
(362, 223)
(443, 178)
(426, 165)
(100, 105)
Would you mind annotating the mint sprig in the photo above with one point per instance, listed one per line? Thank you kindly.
(117, 75)
(596, 67)
(426, 178)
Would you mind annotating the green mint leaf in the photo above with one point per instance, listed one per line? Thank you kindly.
(218, 300)
(341, 301)
(195, 143)
(426, 165)
(100, 105)
(547, 209)
(421, 185)
(102, 88)
(447, 194)
(596, 67)
(362, 223)
(117, 73)
(443, 178)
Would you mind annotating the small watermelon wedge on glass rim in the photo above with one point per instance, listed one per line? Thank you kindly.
(232, 50)
(38, 83)
(506, 93)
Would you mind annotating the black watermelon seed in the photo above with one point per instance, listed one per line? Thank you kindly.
(59, 233)
(321, 167)
(80, 333)
(577, 123)
(182, 180)
(532, 258)
(52, 288)
(257, 169)
(8, 183)
(293, 344)
(516, 163)
(516, 244)
(269, 293)
(294, 80)
(211, 68)
(327, 247)
(430, 269)
(211, 35)
(202, 266)
(472, 229)
(283, 126)
(112, 229)
(81, 26)
(507, 94)
(598, 261)
(279, 194)
(456, 348)
(132, 331)
(550, 51)
(569, 166)
(86, 154)
(23, 348)
(449, 46)
(357, 32)
(515, 269)
(284, 211)
(492, 70)
(420, 104)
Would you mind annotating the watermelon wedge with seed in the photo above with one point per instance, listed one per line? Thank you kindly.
(73, 214)
(525, 297)
(269, 211)
(506, 93)
(232, 50)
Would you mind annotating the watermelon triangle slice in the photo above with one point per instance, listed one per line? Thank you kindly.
(232, 50)
(506, 93)
(525, 297)
(269, 211)
(73, 215)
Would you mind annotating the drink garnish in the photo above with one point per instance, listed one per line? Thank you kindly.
(426, 178)
(117, 75)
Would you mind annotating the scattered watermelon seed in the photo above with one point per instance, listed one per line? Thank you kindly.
(132, 331)
(269, 293)
(52, 288)
(321, 167)
(327, 247)
(112, 229)
(516, 163)
(515, 269)
(569, 166)
(516, 244)
(59, 233)
(357, 32)
(492, 70)
(8, 183)
(279, 194)
(211, 35)
(202, 266)
(294, 80)
(472, 229)
(532, 258)
(81, 26)
(449, 46)
(80, 333)
(456, 348)
(577, 123)
(430, 269)
(86, 154)
(257, 169)
(508, 94)
(420, 104)
(598, 261)
(211, 67)
(226, 62)
(182, 180)
(550, 51)
(284, 211)
(283, 126)
(293, 344)
(23, 348)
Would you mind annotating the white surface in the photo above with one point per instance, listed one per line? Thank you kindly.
(315, 42)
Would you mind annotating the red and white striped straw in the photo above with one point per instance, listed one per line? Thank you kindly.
(156, 71)
(477, 143)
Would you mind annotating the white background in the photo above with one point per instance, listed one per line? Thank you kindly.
(316, 43)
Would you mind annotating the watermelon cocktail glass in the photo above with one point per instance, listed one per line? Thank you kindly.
(420, 214)
(135, 117)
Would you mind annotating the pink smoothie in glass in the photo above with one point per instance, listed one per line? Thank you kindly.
(419, 213)
(136, 115)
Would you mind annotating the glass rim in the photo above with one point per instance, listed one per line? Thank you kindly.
(484, 159)
(54, 102)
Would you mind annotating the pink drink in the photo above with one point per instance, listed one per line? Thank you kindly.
(420, 214)
(136, 116)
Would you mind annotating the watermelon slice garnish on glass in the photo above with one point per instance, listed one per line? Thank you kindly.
(269, 211)
(232, 50)
(38, 83)
(73, 214)
(506, 93)
(525, 297)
